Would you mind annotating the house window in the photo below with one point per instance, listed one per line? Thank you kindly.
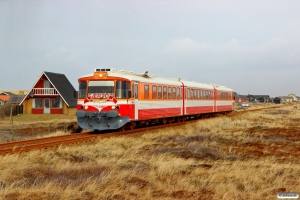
(37, 103)
(56, 103)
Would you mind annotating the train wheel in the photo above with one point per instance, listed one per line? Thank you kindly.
(165, 121)
(132, 125)
(123, 128)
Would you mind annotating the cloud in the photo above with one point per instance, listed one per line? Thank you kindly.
(276, 53)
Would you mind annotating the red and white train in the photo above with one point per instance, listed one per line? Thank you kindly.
(113, 99)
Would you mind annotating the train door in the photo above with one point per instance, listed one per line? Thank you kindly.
(135, 94)
(183, 98)
(215, 100)
(46, 106)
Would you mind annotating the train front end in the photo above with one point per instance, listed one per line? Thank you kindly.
(99, 101)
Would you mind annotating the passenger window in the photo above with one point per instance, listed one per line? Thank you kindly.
(154, 91)
(174, 93)
(159, 92)
(178, 93)
(146, 92)
(192, 93)
(189, 93)
(195, 94)
(165, 92)
(169, 93)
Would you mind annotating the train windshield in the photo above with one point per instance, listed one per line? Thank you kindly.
(100, 89)
(82, 89)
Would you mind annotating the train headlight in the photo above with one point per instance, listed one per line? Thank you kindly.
(113, 107)
(86, 107)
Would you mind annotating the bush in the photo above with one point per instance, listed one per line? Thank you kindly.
(5, 111)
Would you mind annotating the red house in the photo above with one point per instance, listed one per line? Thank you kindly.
(51, 94)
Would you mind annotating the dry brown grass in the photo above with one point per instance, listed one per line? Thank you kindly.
(30, 126)
(247, 156)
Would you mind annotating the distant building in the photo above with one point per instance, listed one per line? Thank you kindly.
(245, 98)
(4, 99)
(286, 99)
(51, 94)
(237, 98)
(257, 98)
(295, 98)
(277, 100)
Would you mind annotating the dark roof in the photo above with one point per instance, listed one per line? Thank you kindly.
(249, 96)
(236, 95)
(15, 99)
(63, 86)
(6, 93)
(245, 97)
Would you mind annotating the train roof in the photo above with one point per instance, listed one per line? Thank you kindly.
(144, 77)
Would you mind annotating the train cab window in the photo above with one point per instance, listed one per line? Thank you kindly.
(165, 92)
(82, 89)
(135, 91)
(132, 90)
(146, 92)
(169, 93)
(159, 92)
(189, 93)
(174, 93)
(122, 89)
(154, 92)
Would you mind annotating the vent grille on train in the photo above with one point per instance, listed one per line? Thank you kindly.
(103, 70)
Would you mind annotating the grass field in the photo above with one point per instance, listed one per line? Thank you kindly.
(249, 155)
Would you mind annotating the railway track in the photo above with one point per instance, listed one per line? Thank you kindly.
(50, 142)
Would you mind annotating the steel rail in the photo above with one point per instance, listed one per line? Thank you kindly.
(44, 143)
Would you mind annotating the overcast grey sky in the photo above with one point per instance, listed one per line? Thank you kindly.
(250, 46)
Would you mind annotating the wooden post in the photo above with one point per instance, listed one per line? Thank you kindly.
(11, 118)
(12, 132)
